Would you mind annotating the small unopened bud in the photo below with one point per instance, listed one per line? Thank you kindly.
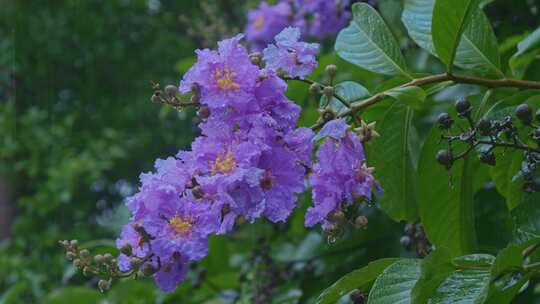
(70, 256)
(171, 90)
(331, 70)
(104, 285)
(336, 216)
(204, 112)
(524, 113)
(487, 158)
(99, 259)
(463, 106)
(77, 263)
(107, 257)
(74, 243)
(126, 249)
(64, 243)
(156, 98)
(135, 262)
(445, 121)
(361, 222)
(357, 297)
(328, 91)
(86, 271)
(84, 253)
(148, 270)
(255, 58)
(445, 158)
(315, 89)
(484, 127)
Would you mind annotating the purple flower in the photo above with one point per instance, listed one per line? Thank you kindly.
(340, 175)
(265, 22)
(225, 77)
(321, 18)
(171, 274)
(295, 57)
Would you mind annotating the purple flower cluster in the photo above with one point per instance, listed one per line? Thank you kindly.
(250, 161)
(340, 177)
(315, 18)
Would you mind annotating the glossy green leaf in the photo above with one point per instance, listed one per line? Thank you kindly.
(450, 18)
(528, 48)
(507, 166)
(394, 285)
(369, 43)
(350, 91)
(477, 49)
(478, 260)
(68, 295)
(412, 96)
(446, 203)
(463, 286)
(391, 156)
(526, 218)
(434, 270)
(358, 279)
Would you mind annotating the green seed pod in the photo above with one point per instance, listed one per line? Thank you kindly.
(315, 89)
(331, 70)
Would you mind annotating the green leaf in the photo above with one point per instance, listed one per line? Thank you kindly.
(358, 279)
(450, 18)
(526, 218)
(350, 91)
(394, 285)
(528, 48)
(434, 270)
(477, 260)
(463, 286)
(391, 156)
(68, 294)
(446, 203)
(369, 43)
(412, 96)
(510, 258)
(477, 50)
(503, 173)
(11, 294)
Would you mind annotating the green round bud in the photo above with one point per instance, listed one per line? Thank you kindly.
(328, 91)
(336, 216)
(361, 222)
(135, 262)
(74, 243)
(77, 263)
(70, 256)
(331, 70)
(104, 285)
(99, 259)
(171, 90)
(107, 257)
(315, 88)
(84, 253)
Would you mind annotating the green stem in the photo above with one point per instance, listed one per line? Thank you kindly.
(310, 82)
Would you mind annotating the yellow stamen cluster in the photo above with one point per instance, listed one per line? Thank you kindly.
(223, 164)
(181, 227)
(226, 79)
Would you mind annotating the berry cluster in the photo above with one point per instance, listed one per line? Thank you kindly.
(415, 239)
(486, 135)
(250, 162)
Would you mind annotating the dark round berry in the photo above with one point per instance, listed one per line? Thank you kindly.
(445, 158)
(409, 229)
(463, 106)
(357, 297)
(484, 126)
(487, 158)
(405, 241)
(445, 121)
(537, 115)
(524, 113)
(171, 90)
(328, 115)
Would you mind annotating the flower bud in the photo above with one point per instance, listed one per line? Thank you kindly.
(204, 112)
(463, 106)
(70, 256)
(484, 126)
(77, 263)
(331, 70)
(197, 192)
(328, 91)
(148, 270)
(86, 271)
(336, 216)
(84, 253)
(445, 158)
(405, 241)
(445, 121)
(156, 98)
(171, 90)
(524, 113)
(99, 259)
(255, 58)
(126, 249)
(315, 89)
(195, 89)
(357, 297)
(361, 222)
(135, 262)
(104, 285)
(107, 257)
(487, 158)
(74, 243)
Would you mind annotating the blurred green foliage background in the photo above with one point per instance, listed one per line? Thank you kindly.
(77, 128)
